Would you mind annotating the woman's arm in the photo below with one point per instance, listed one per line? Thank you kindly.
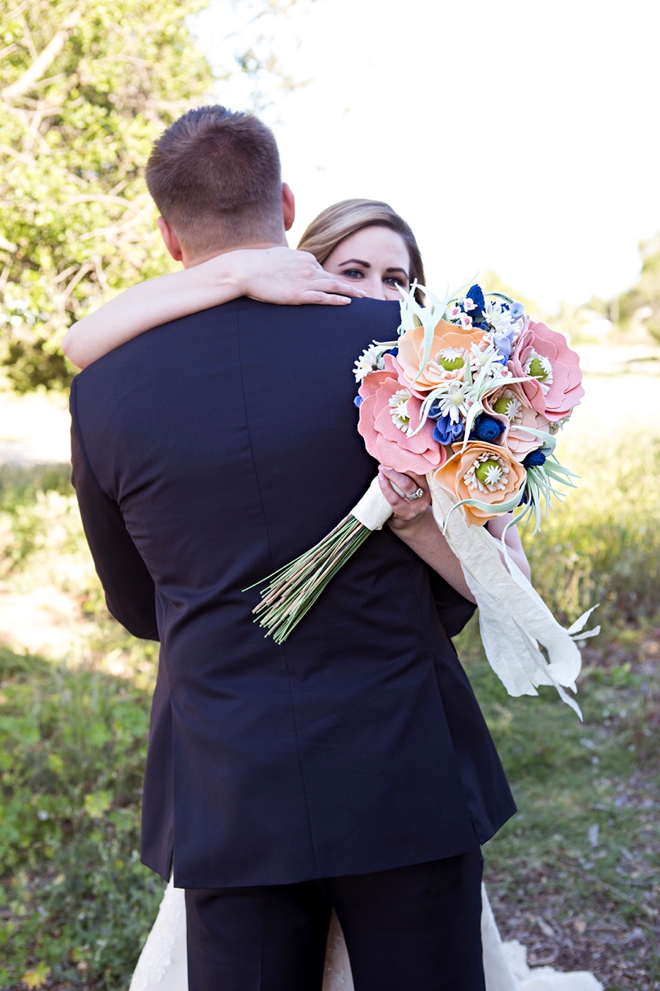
(274, 275)
(413, 523)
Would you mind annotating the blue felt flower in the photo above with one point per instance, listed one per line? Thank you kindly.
(503, 345)
(394, 352)
(534, 459)
(358, 401)
(446, 431)
(487, 428)
(475, 293)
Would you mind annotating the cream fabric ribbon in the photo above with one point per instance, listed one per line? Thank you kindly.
(513, 618)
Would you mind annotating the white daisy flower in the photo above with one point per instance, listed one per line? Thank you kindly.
(488, 356)
(453, 404)
(399, 409)
(497, 316)
(371, 360)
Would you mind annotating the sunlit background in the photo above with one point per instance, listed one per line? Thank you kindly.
(517, 136)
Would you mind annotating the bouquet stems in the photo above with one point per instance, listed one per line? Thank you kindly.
(294, 588)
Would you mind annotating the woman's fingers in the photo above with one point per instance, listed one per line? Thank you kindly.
(322, 298)
(282, 275)
(326, 290)
(405, 509)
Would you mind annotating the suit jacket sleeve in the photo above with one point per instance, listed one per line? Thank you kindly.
(453, 608)
(129, 588)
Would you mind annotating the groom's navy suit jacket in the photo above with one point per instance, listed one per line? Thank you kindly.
(207, 453)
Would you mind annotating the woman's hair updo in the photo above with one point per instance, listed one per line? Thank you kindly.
(345, 218)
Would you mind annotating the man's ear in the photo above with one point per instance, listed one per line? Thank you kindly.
(288, 207)
(171, 240)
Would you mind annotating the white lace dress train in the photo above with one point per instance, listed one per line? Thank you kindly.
(163, 964)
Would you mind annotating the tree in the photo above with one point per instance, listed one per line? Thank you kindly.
(85, 87)
(640, 306)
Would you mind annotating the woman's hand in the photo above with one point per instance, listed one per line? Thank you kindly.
(289, 277)
(407, 512)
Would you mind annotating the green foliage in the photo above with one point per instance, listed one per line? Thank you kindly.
(85, 88)
(74, 136)
(642, 302)
(603, 544)
(73, 894)
(72, 748)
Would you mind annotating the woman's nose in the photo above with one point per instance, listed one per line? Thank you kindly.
(376, 287)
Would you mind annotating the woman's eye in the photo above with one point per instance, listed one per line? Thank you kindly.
(391, 281)
(353, 273)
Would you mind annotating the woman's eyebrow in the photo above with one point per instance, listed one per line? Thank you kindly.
(397, 270)
(356, 261)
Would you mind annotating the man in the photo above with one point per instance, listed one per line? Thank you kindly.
(349, 767)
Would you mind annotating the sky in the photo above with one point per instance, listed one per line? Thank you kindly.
(514, 135)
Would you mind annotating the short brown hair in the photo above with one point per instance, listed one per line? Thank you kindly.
(216, 178)
(345, 218)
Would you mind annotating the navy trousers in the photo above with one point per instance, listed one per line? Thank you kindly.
(408, 929)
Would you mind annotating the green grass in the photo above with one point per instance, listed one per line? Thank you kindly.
(72, 749)
(75, 902)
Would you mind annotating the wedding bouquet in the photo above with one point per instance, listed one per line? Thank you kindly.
(472, 395)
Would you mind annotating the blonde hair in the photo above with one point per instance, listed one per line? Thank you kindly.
(345, 218)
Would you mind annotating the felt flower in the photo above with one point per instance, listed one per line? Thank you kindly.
(446, 431)
(556, 378)
(487, 428)
(535, 459)
(511, 405)
(483, 472)
(450, 350)
(389, 417)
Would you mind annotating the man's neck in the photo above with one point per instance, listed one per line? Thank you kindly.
(189, 261)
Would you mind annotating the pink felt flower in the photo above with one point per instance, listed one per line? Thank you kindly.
(389, 415)
(556, 378)
(511, 405)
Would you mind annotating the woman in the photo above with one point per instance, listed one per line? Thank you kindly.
(354, 248)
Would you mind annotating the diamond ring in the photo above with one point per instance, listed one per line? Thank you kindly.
(416, 495)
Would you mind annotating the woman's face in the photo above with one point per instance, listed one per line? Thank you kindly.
(376, 258)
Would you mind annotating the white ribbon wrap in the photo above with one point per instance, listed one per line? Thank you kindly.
(513, 617)
(373, 510)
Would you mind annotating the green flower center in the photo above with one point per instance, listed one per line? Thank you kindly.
(489, 471)
(451, 364)
(501, 406)
(536, 369)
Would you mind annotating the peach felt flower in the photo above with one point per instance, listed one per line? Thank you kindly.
(389, 415)
(484, 472)
(513, 408)
(556, 385)
(450, 350)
